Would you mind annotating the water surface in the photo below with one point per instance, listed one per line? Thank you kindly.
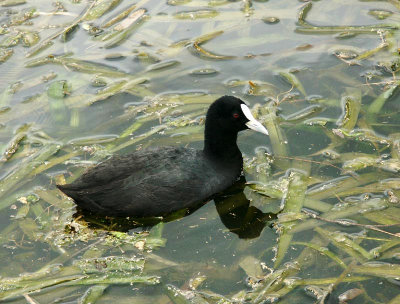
(318, 222)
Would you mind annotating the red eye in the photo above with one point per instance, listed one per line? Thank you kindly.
(235, 115)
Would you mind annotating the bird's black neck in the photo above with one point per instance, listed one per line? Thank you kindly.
(221, 146)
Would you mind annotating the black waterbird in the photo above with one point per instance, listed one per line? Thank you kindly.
(156, 182)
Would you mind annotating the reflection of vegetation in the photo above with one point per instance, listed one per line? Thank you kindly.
(330, 171)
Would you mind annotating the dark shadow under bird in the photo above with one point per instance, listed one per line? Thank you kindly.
(237, 214)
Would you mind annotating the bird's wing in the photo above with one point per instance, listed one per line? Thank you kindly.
(119, 167)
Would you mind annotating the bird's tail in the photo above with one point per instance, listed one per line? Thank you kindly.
(82, 200)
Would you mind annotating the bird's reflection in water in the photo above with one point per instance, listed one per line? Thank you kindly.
(232, 206)
(237, 215)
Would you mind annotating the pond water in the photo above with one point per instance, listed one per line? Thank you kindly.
(317, 220)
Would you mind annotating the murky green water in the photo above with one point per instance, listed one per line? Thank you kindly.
(82, 80)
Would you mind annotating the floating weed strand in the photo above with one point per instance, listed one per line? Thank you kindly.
(306, 27)
(293, 201)
(204, 53)
(122, 15)
(315, 162)
(351, 223)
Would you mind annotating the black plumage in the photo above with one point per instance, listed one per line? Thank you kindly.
(159, 181)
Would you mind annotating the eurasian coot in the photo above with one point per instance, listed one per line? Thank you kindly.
(159, 181)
